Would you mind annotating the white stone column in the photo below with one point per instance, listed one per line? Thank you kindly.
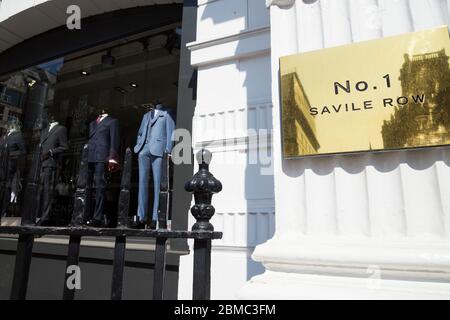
(369, 226)
(232, 54)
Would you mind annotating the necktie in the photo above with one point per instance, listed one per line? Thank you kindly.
(152, 114)
(99, 118)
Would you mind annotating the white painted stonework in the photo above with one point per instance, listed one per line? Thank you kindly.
(232, 53)
(372, 226)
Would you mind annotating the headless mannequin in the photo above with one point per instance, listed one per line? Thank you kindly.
(103, 148)
(154, 138)
(53, 142)
(13, 147)
(112, 163)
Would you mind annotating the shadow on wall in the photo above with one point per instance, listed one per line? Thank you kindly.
(384, 162)
(255, 78)
(218, 14)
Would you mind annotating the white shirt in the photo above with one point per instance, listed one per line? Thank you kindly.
(52, 125)
(157, 109)
(103, 116)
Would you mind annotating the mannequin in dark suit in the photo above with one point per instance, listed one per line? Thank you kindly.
(103, 154)
(53, 143)
(12, 147)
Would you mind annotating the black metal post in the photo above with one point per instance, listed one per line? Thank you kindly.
(164, 194)
(122, 222)
(118, 268)
(31, 197)
(203, 185)
(125, 185)
(159, 273)
(22, 267)
(73, 256)
(202, 270)
(82, 193)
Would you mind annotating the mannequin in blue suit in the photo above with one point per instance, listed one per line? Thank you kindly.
(154, 139)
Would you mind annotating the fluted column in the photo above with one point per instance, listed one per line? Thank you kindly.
(342, 214)
(284, 24)
(372, 195)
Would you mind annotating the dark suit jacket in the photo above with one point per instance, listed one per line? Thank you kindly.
(103, 141)
(11, 148)
(14, 143)
(55, 141)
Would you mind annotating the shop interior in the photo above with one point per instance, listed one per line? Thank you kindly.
(124, 77)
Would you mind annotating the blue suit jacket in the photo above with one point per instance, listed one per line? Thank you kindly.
(103, 144)
(160, 131)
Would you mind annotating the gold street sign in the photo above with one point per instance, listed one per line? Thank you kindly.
(385, 94)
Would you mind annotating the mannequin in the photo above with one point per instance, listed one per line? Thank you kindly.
(154, 139)
(103, 154)
(12, 147)
(53, 143)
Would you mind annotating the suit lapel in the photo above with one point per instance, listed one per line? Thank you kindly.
(47, 134)
(96, 126)
(160, 114)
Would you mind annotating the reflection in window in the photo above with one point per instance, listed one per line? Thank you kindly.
(67, 94)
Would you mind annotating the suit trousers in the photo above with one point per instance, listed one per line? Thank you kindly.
(96, 173)
(48, 175)
(147, 160)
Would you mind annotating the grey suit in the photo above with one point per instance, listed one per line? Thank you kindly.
(156, 132)
(154, 138)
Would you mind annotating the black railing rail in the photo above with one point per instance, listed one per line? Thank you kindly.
(203, 186)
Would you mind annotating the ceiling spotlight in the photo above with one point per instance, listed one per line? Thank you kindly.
(134, 85)
(84, 73)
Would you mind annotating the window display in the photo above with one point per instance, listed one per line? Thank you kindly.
(12, 149)
(99, 98)
(103, 154)
(53, 143)
(154, 139)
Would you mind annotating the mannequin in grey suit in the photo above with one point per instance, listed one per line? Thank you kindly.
(154, 139)
(53, 143)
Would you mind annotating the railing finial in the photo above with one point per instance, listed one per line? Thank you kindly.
(203, 185)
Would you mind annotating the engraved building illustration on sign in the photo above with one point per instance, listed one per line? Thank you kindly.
(300, 136)
(426, 122)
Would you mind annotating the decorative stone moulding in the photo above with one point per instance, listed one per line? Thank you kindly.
(283, 4)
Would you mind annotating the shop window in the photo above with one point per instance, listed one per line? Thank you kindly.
(121, 79)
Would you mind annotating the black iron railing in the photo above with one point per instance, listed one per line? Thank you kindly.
(203, 185)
